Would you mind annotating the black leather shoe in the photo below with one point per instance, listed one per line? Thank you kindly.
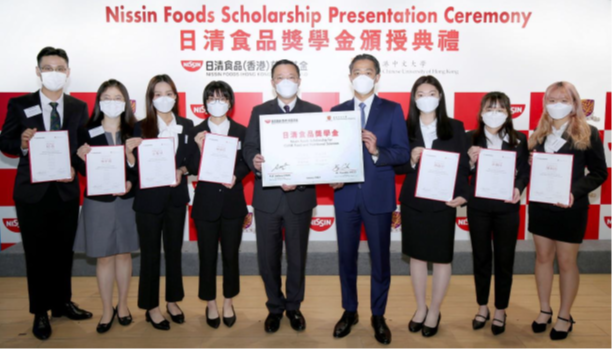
(538, 327)
(477, 324)
(495, 328)
(381, 331)
(164, 325)
(179, 319)
(414, 326)
(431, 331)
(343, 326)
(103, 328)
(273, 322)
(214, 323)
(71, 311)
(557, 335)
(126, 320)
(296, 319)
(41, 327)
(230, 321)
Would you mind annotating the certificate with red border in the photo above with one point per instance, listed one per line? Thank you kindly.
(218, 159)
(49, 154)
(437, 175)
(495, 174)
(106, 170)
(156, 163)
(551, 178)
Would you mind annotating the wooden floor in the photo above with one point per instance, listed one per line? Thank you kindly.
(322, 308)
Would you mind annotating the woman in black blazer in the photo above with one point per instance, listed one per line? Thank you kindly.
(107, 227)
(218, 209)
(162, 209)
(428, 227)
(559, 229)
(488, 216)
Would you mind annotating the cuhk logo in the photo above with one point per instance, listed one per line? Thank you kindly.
(588, 105)
(517, 110)
(607, 220)
(133, 103)
(248, 221)
(462, 222)
(198, 110)
(396, 220)
(321, 223)
(192, 66)
(12, 224)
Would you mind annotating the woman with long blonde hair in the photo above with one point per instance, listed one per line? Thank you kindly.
(559, 229)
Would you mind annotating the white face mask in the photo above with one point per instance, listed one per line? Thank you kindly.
(286, 88)
(112, 109)
(427, 104)
(53, 81)
(217, 108)
(559, 110)
(494, 119)
(164, 104)
(363, 84)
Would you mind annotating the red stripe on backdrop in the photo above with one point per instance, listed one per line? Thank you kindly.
(522, 224)
(536, 107)
(7, 180)
(592, 230)
(193, 233)
(4, 99)
(467, 105)
(325, 100)
(87, 97)
(605, 190)
(245, 101)
(403, 98)
(608, 123)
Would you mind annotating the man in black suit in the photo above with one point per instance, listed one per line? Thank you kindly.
(277, 207)
(47, 212)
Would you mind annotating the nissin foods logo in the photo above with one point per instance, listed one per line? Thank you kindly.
(192, 66)
(517, 110)
(11, 224)
(321, 223)
(462, 222)
(198, 110)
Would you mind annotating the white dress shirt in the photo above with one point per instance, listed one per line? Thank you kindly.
(221, 129)
(47, 109)
(495, 141)
(170, 130)
(554, 141)
(429, 132)
(291, 104)
(366, 111)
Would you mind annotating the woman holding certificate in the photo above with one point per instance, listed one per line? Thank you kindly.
(161, 205)
(219, 206)
(107, 226)
(493, 208)
(559, 225)
(439, 161)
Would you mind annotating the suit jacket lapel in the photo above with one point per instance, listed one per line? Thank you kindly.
(38, 119)
(374, 111)
(69, 111)
(419, 141)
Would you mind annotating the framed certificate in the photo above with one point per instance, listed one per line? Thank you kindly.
(437, 175)
(218, 159)
(495, 173)
(106, 170)
(156, 163)
(551, 178)
(311, 148)
(49, 154)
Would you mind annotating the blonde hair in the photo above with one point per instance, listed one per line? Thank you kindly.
(578, 130)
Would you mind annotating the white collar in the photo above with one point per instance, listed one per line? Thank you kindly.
(161, 124)
(367, 102)
(44, 100)
(291, 104)
(430, 126)
(491, 136)
(561, 130)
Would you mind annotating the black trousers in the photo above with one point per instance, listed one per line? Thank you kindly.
(48, 228)
(152, 230)
(503, 226)
(228, 231)
(269, 253)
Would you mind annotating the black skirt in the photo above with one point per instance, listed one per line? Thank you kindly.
(428, 236)
(561, 225)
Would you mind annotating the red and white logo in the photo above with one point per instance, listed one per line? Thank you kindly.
(198, 110)
(192, 66)
(321, 223)
(267, 121)
(462, 222)
(517, 110)
(11, 224)
(608, 219)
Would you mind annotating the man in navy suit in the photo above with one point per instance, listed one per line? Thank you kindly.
(372, 202)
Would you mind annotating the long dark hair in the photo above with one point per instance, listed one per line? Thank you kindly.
(149, 124)
(490, 100)
(444, 129)
(127, 117)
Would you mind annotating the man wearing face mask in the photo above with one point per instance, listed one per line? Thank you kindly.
(385, 143)
(288, 206)
(47, 212)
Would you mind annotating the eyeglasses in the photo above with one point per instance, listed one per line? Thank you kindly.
(48, 69)
(106, 98)
(217, 99)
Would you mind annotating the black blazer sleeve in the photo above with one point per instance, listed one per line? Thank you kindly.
(463, 171)
(242, 169)
(82, 138)
(10, 137)
(596, 164)
(252, 146)
(522, 164)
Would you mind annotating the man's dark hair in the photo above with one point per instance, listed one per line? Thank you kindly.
(52, 51)
(362, 57)
(285, 61)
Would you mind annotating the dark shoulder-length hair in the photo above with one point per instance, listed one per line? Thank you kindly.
(221, 88)
(444, 129)
(492, 99)
(149, 124)
(127, 117)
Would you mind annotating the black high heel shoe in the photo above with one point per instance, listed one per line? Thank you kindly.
(230, 321)
(538, 327)
(414, 326)
(476, 324)
(126, 320)
(557, 335)
(164, 325)
(103, 328)
(179, 319)
(498, 329)
(431, 331)
(214, 323)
